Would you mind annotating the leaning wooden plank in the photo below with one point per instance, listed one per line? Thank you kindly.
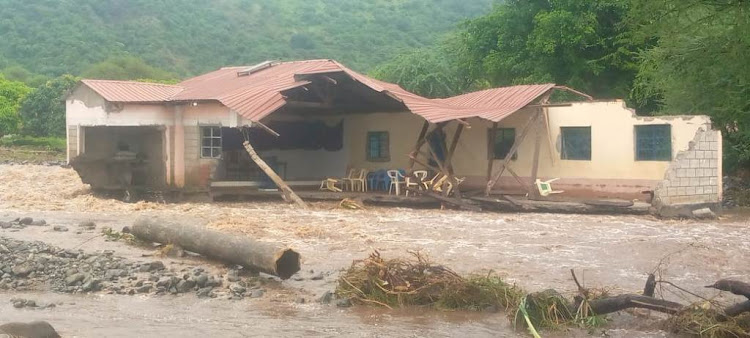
(269, 258)
(285, 189)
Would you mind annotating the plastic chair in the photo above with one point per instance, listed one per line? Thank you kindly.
(330, 185)
(394, 175)
(348, 179)
(545, 187)
(360, 181)
(372, 179)
(415, 180)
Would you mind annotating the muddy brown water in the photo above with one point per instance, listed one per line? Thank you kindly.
(535, 251)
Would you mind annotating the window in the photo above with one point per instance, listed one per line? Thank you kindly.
(576, 143)
(653, 142)
(378, 149)
(210, 142)
(502, 142)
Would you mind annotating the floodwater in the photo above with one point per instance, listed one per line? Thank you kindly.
(535, 251)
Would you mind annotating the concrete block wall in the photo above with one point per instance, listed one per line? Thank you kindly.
(695, 175)
(72, 142)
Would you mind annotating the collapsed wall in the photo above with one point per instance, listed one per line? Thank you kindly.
(694, 178)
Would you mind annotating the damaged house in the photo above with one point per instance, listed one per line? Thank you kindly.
(310, 120)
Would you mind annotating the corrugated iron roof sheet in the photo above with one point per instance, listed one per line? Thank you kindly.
(258, 94)
(130, 91)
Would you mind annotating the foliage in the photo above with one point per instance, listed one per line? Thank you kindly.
(127, 68)
(43, 110)
(46, 143)
(578, 43)
(11, 95)
(192, 37)
(704, 321)
(698, 64)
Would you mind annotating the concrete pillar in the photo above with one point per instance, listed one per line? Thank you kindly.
(168, 154)
(179, 148)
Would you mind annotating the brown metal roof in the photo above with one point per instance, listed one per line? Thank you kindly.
(130, 91)
(258, 94)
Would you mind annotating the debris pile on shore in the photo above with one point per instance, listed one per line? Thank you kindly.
(399, 282)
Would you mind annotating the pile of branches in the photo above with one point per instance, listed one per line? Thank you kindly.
(417, 282)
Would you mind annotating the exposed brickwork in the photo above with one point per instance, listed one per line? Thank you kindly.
(694, 176)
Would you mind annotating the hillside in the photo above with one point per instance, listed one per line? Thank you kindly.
(188, 37)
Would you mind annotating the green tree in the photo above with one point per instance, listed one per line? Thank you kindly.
(698, 64)
(126, 68)
(579, 43)
(11, 95)
(43, 110)
(427, 72)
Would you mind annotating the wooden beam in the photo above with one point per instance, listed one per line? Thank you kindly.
(520, 181)
(266, 128)
(513, 149)
(287, 192)
(568, 89)
(534, 193)
(418, 144)
(424, 164)
(452, 150)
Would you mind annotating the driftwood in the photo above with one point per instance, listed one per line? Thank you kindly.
(457, 202)
(605, 305)
(265, 257)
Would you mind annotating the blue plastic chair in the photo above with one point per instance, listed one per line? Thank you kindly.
(372, 180)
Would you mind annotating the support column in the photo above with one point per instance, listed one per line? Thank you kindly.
(179, 148)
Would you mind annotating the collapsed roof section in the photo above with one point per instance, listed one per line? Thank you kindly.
(258, 91)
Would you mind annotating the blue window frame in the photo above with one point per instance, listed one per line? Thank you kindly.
(653, 142)
(576, 143)
(378, 147)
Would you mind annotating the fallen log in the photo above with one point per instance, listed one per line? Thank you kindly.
(607, 305)
(287, 193)
(457, 202)
(264, 257)
(733, 286)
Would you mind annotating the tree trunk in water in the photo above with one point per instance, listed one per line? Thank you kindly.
(265, 257)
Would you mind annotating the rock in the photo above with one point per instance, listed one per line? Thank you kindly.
(22, 270)
(319, 276)
(156, 266)
(257, 293)
(19, 304)
(87, 225)
(704, 213)
(301, 300)
(237, 288)
(5, 225)
(326, 298)
(344, 302)
(184, 286)
(144, 289)
(114, 273)
(232, 276)
(38, 223)
(33, 329)
(204, 292)
(25, 221)
(74, 279)
(60, 228)
(201, 280)
(90, 285)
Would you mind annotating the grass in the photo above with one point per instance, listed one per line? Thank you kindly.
(32, 149)
(38, 143)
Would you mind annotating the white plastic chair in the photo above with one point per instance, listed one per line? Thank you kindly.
(395, 181)
(545, 187)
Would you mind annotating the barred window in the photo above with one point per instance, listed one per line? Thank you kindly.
(653, 142)
(210, 142)
(378, 148)
(576, 143)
